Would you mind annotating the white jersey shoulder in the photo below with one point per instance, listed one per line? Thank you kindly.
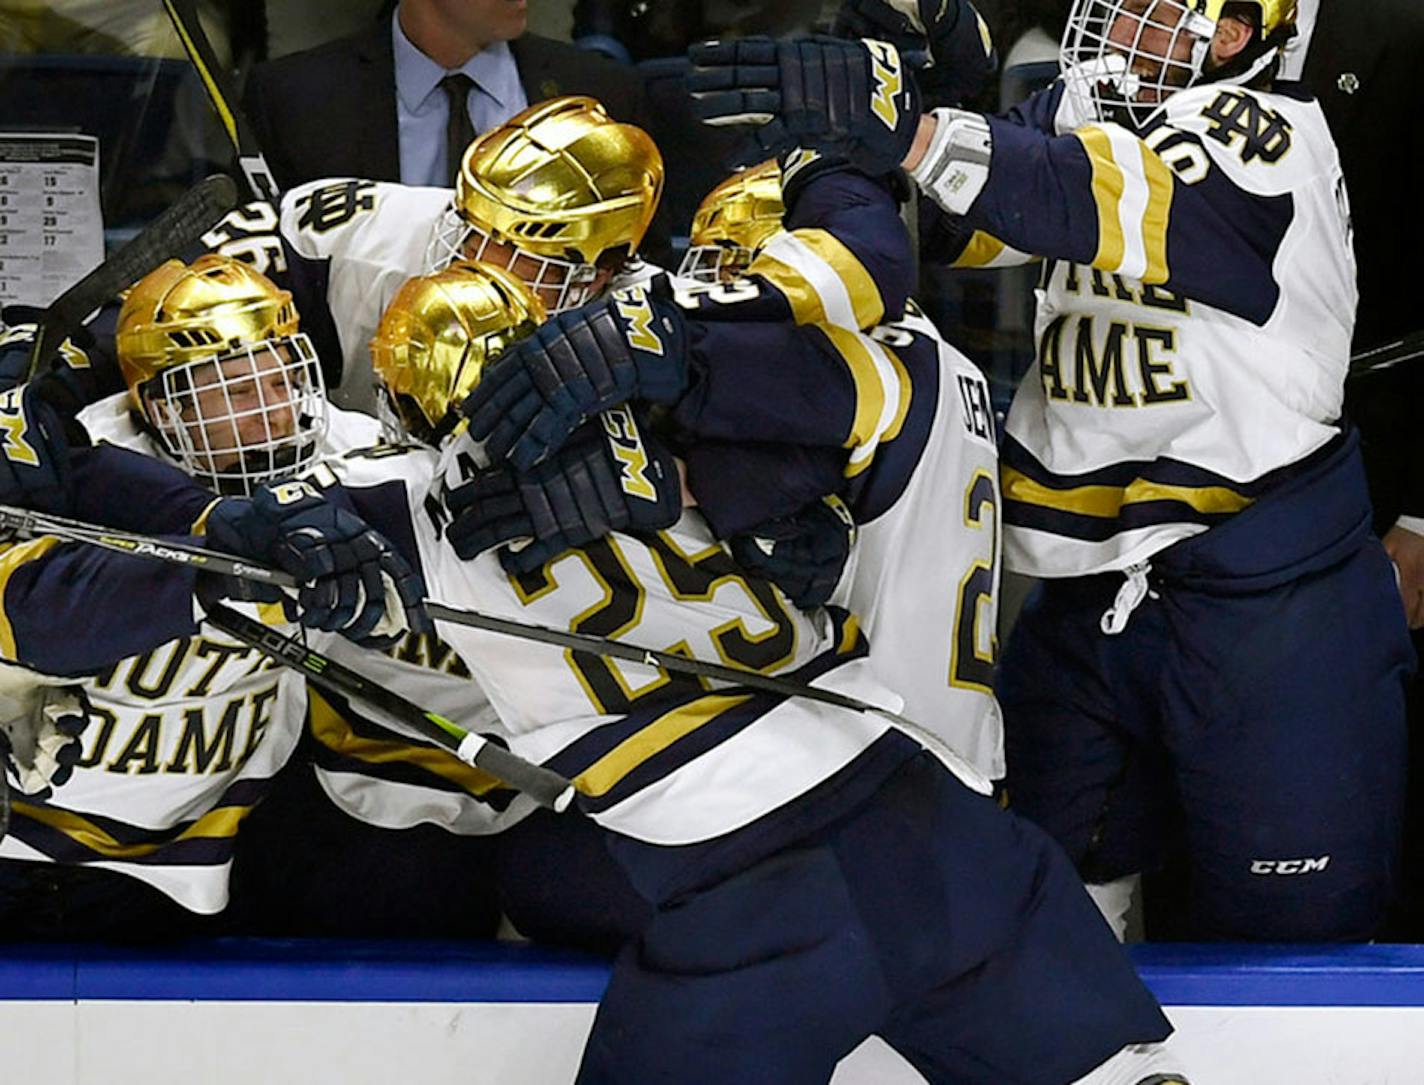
(1268, 144)
(372, 236)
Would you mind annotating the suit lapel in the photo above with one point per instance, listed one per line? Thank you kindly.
(377, 138)
(537, 72)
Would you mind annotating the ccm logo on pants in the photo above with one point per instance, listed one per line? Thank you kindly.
(1289, 866)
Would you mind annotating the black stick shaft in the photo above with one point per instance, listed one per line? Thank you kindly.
(543, 785)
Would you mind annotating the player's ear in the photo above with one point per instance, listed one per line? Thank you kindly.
(1233, 35)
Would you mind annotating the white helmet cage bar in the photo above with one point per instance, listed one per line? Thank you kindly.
(253, 415)
(713, 263)
(1121, 59)
(560, 284)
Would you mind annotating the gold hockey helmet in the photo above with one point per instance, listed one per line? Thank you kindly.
(1122, 59)
(563, 184)
(436, 337)
(733, 222)
(216, 365)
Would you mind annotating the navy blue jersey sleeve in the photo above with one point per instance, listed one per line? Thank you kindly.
(740, 485)
(68, 609)
(1103, 197)
(769, 382)
(123, 489)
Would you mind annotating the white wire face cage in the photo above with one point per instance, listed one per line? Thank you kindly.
(1121, 59)
(559, 284)
(713, 263)
(237, 420)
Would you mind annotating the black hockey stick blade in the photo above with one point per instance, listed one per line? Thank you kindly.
(1388, 355)
(184, 16)
(182, 224)
(544, 786)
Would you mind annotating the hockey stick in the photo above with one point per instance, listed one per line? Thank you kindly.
(31, 524)
(180, 225)
(543, 785)
(184, 16)
(1388, 355)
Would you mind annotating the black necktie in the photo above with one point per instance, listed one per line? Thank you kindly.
(458, 129)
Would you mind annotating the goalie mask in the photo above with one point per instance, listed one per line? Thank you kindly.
(733, 222)
(220, 374)
(435, 339)
(1121, 59)
(553, 195)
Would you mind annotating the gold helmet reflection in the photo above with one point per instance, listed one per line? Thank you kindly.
(181, 313)
(217, 368)
(733, 222)
(436, 337)
(563, 183)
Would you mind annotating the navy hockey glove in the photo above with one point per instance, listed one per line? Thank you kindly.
(944, 40)
(610, 476)
(35, 448)
(352, 581)
(78, 374)
(848, 98)
(804, 555)
(630, 345)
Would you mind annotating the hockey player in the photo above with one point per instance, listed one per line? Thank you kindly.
(189, 726)
(763, 828)
(1175, 466)
(926, 454)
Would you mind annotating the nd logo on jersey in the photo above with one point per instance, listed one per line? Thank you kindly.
(13, 425)
(885, 67)
(633, 307)
(626, 443)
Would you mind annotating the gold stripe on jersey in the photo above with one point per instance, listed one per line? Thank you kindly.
(1107, 502)
(333, 731)
(983, 249)
(1157, 215)
(221, 824)
(850, 635)
(902, 408)
(1132, 189)
(882, 393)
(11, 558)
(1107, 194)
(605, 773)
(821, 278)
(200, 525)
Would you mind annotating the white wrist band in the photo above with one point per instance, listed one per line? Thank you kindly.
(955, 168)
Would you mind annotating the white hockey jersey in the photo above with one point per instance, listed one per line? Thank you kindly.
(925, 578)
(655, 756)
(1194, 320)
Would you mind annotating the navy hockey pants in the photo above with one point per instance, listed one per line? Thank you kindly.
(957, 932)
(1255, 714)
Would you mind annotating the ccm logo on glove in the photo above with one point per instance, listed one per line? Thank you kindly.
(885, 67)
(14, 425)
(633, 307)
(626, 444)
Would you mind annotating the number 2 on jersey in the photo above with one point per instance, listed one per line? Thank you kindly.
(975, 644)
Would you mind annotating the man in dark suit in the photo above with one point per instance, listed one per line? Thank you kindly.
(377, 104)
